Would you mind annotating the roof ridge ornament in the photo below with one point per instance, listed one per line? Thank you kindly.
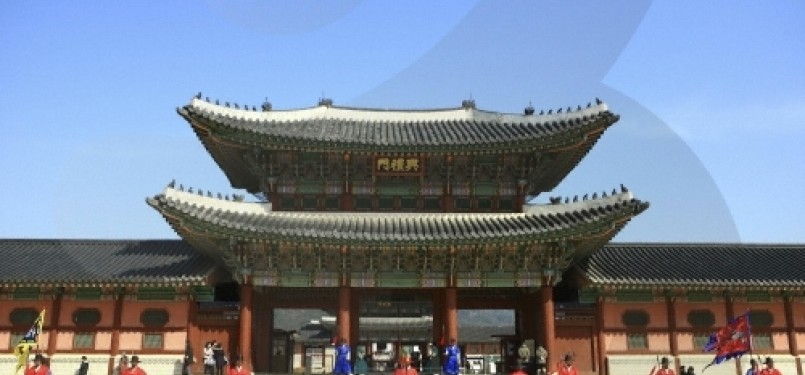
(468, 103)
(528, 111)
(326, 102)
(266, 106)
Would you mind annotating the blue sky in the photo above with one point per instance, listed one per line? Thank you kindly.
(711, 97)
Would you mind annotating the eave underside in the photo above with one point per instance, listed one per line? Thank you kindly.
(294, 249)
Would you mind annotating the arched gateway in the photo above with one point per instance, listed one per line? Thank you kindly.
(361, 205)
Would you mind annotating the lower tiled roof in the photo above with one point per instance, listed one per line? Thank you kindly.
(91, 262)
(708, 265)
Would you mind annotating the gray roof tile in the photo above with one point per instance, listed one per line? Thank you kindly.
(66, 262)
(713, 264)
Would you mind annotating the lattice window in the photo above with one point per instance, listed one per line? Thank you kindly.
(86, 317)
(700, 340)
(431, 188)
(635, 318)
(23, 317)
(762, 340)
(332, 203)
(701, 318)
(484, 204)
(84, 340)
(310, 203)
(154, 317)
(508, 188)
(432, 204)
(761, 318)
(16, 337)
(637, 341)
(363, 188)
(333, 187)
(153, 341)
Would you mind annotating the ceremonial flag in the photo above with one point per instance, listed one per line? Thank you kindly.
(731, 341)
(28, 341)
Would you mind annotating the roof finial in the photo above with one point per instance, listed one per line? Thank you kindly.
(529, 110)
(324, 101)
(266, 105)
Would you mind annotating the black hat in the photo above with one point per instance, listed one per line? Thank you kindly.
(768, 361)
(38, 357)
(664, 360)
(135, 359)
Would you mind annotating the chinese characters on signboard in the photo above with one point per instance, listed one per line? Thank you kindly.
(398, 165)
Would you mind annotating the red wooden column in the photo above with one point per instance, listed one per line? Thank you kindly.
(548, 322)
(672, 339)
(194, 334)
(53, 332)
(438, 316)
(117, 322)
(246, 294)
(343, 319)
(600, 334)
(789, 327)
(451, 313)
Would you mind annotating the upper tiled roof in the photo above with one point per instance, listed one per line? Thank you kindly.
(716, 265)
(214, 215)
(93, 262)
(327, 127)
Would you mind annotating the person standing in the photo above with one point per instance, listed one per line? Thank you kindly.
(135, 368)
(209, 361)
(754, 368)
(565, 367)
(404, 368)
(220, 358)
(663, 370)
(342, 366)
(452, 361)
(122, 366)
(38, 368)
(83, 369)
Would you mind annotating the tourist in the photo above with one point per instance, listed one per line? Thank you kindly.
(754, 368)
(770, 370)
(83, 368)
(690, 371)
(342, 366)
(565, 367)
(135, 368)
(219, 357)
(663, 369)
(541, 360)
(122, 366)
(452, 358)
(38, 367)
(209, 360)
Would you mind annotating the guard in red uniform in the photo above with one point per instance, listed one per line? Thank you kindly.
(38, 368)
(135, 367)
(566, 366)
(663, 370)
(770, 370)
(237, 368)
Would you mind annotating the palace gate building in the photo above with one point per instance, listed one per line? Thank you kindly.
(362, 205)
(413, 214)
